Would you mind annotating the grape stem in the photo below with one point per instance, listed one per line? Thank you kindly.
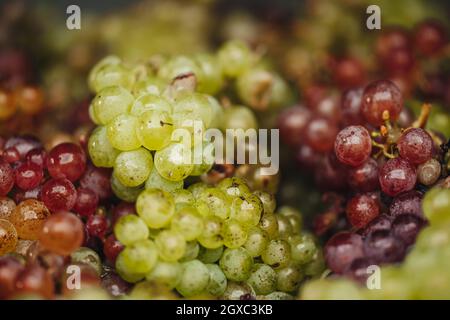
(383, 150)
(423, 117)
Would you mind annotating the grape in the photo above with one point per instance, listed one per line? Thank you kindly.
(380, 96)
(406, 227)
(132, 168)
(6, 178)
(361, 209)
(23, 144)
(7, 207)
(66, 160)
(277, 254)
(234, 234)
(187, 222)
(121, 132)
(173, 162)
(382, 222)
(269, 224)
(59, 195)
(353, 145)
(392, 39)
(211, 79)
(128, 194)
(302, 248)
(285, 229)
(111, 102)
(307, 158)
(178, 66)
(62, 233)
(155, 207)
(87, 202)
(88, 257)
(166, 273)
(236, 264)
(191, 252)
(111, 248)
(197, 188)
(106, 61)
(342, 249)
(429, 172)
(415, 145)
(171, 245)
(97, 180)
(348, 72)
(351, 106)
(408, 202)
(320, 134)
(211, 236)
(37, 156)
(234, 187)
(382, 246)
(97, 225)
(213, 201)
(156, 181)
(358, 269)
(35, 280)
(183, 197)
(247, 209)
(101, 151)
(11, 155)
(430, 37)
(150, 102)
(396, 176)
(28, 176)
(234, 58)
(364, 178)
(277, 295)
(329, 108)
(288, 279)
(293, 216)
(28, 218)
(210, 255)
(110, 75)
(263, 279)
(257, 241)
(238, 291)
(194, 107)
(155, 129)
(10, 267)
(8, 237)
(125, 272)
(436, 204)
(130, 229)
(207, 158)
(139, 257)
(267, 199)
(217, 280)
(194, 279)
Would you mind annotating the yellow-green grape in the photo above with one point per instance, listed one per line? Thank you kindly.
(139, 257)
(130, 228)
(316, 266)
(92, 115)
(234, 187)
(121, 132)
(217, 280)
(183, 197)
(177, 66)
(277, 295)
(277, 254)
(234, 234)
(174, 162)
(436, 205)
(197, 188)
(153, 233)
(281, 94)
(303, 248)
(263, 279)
(247, 209)
(111, 102)
(207, 159)
(236, 264)
(156, 207)
(155, 129)
(210, 255)
(254, 88)
(267, 199)
(125, 272)
(188, 222)
(128, 194)
(191, 252)
(111, 75)
(156, 181)
(194, 107)
(212, 79)
(132, 168)
(269, 224)
(106, 61)
(235, 58)
(151, 85)
(337, 289)
(101, 152)
(212, 201)
(194, 279)
(211, 237)
(166, 273)
(294, 216)
(217, 112)
(171, 245)
(150, 102)
(257, 241)
(285, 229)
(149, 290)
(289, 278)
(238, 291)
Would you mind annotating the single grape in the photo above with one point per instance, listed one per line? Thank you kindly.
(28, 218)
(211, 236)
(97, 180)
(353, 145)
(351, 106)
(155, 207)
(188, 222)
(115, 285)
(174, 162)
(415, 145)
(277, 254)
(307, 159)
(396, 176)
(263, 279)
(191, 252)
(166, 273)
(59, 195)
(88, 257)
(407, 203)
(8, 237)
(150, 102)
(382, 246)
(320, 134)
(34, 279)
(112, 247)
(122, 133)
(436, 204)
(37, 156)
(194, 279)
(257, 241)
(66, 160)
(28, 176)
(285, 229)
(238, 117)
(267, 199)
(87, 201)
(430, 37)
(139, 257)
(130, 228)
(364, 178)
(234, 187)
(342, 249)
(97, 225)
(303, 249)
(382, 222)
(391, 39)
(238, 291)
(289, 278)
(361, 209)
(213, 201)
(234, 58)
(293, 216)
(429, 172)
(269, 224)
(154, 129)
(192, 107)
(236, 264)
(6, 178)
(349, 72)
(217, 280)
(101, 151)
(10, 268)
(234, 234)
(128, 194)
(125, 272)
(171, 245)
(183, 197)
(132, 168)
(406, 227)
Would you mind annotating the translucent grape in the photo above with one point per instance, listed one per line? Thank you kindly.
(211, 236)
(285, 229)
(234, 58)
(28, 218)
(106, 61)
(139, 257)
(236, 264)
(86, 203)
(382, 246)
(195, 278)
(156, 181)
(217, 280)
(59, 195)
(436, 205)
(128, 194)
(415, 145)
(132, 168)
(101, 151)
(121, 132)
(247, 209)
(155, 129)
(303, 248)
(342, 249)
(6, 178)
(406, 227)
(353, 145)
(171, 245)
(210, 255)
(87, 256)
(293, 216)
(211, 80)
(396, 176)
(151, 85)
(66, 160)
(234, 187)
(361, 209)
(234, 234)
(197, 188)
(267, 199)
(238, 291)
(178, 66)
(111, 102)
(28, 176)
(8, 237)
(269, 224)
(173, 162)
(192, 106)
(125, 272)
(110, 75)
(320, 134)
(130, 228)
(351, 107)
(150, 102)
(263, 279)
(155, 207)
(191, 252)
(407, 203)
(183, 197)
(364, 178)
(289, 278)
(257, 241)
(430, 37)
(166, 273)
(238, 117)
(188, 222)
(213, 201)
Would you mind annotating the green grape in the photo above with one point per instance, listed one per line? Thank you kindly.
(280, 93)
(212, 201)
(132, 168)
(285, 229)
(210, 255)
(217, 112)
(156, 181)
(194, 279)
(101, 152)
(128, 194)
(191, 252)
(139, 257)
(294, 216)
(254, 88)
(88, 257)
(267, 199)
(150, 102)
(217, 280)
(211, 237)
(183, 197)
(152, 86)
(156, 207)
(130, 229)
(155, 129)
(166, 273)
(121, 133)
(234, 187)
(235, 58)
(111, 102)
(197, 188)
(238, 291)
(188, 222)
(289, 278)
(174, 162)
(193, 106)
(149, 290)
(316, 266)
(236, 264)
(177, 66)
(269, 224)
(111, 75)
(247, 209)
(338, 289)
(212, 79)
(171, 245)
(303, 248)
(207, 160)
(106, 61)
(436, 205)
(277, 254)
(92, 115)
(263, 279)
(257, 241)
(234, 234)
(277, 295)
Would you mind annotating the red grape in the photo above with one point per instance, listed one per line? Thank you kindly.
(407, 203)
(396, 176)
(87, 201)
(392, 39)
(59, 195)
(320, 134)
(97, 225)
(22, 195)
(10, 267)
(37, 156)
(399, 61)
(353, 145)
(430, 37)
(97, 180)
(112, 248)
(11, 155)
(362, 209)
(115, 285)
(342, 249)
(35, 280)
(292, 123)
(6, 178)
(364, 177)
(415, 145)
(348, 72)
(23, 144)
(351, 107)
(329, 108)
(382, 222)
(66, 160)
(28, 176)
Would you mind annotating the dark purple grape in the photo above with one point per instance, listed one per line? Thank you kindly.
(382, 222)
(384, 247)
(430, 37)
(307, 158)
(407, 203)
(399, 61)
(292, 123)
(330, 176)
(407, 227)
(358, 270)
(396, 176)
(415, 145)
(329, 108)
(342, 249)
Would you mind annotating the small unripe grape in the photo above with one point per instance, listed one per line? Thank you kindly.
(102, 153)
(277, 254)
(234, 187)
(217, 280)
(289, 278)
(236, 264)
(121, 132)
(130, 228)
(174, 162)
(234, 234)
(269, 224)
(155, 207)
(263, 279)
(195, 278)
(171, 245)
(210, 255)
(257, 241)
(111, 102)
(213, 201)
(303, 248)
(132, 168)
